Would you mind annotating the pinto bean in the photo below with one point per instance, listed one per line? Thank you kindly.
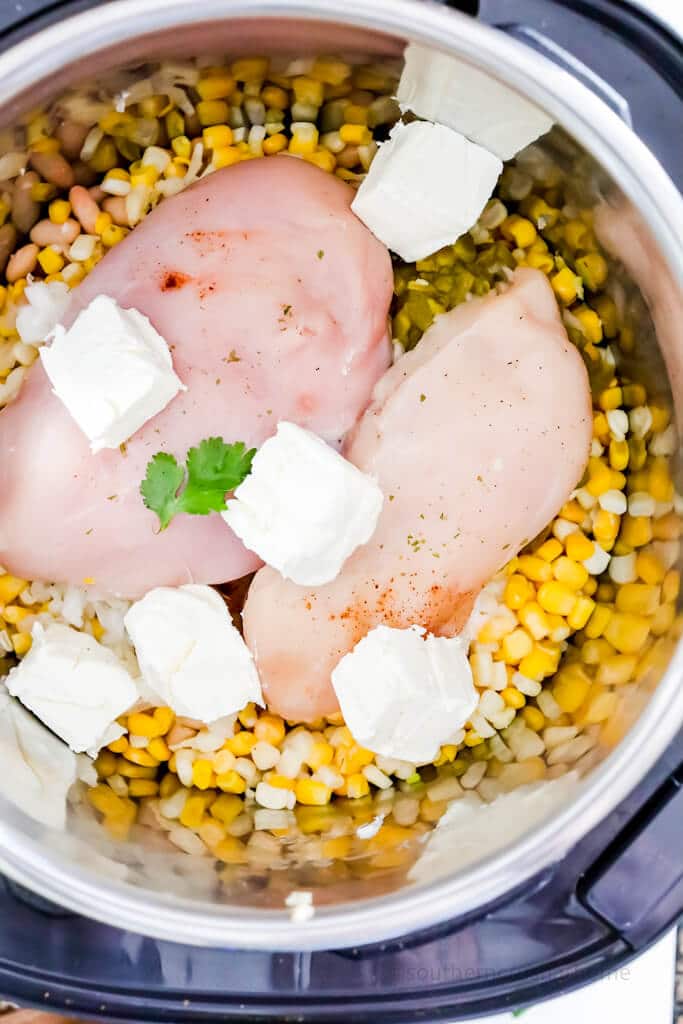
(71, 136)
(116, 207)
(8, 240)
(25, 210)
(85, 209)
(54, 168)
(22, 262)
(46, 233)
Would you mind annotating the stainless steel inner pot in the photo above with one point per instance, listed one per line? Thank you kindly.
(78, 868)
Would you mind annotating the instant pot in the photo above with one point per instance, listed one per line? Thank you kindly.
(585, 890)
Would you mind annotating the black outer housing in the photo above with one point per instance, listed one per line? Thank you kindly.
(616, 892)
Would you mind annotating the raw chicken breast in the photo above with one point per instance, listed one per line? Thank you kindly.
(273, 298)
(476, 438)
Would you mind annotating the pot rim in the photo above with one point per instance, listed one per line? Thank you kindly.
(642, 179)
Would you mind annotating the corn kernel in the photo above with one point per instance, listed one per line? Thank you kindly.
(519, 230)
(598, 622)
(661, 485)
(182, 147)
(143, 787)
(593, 270)
(136, 771)
(355, 135)
(661, 415)
(217, 136)
(311, 792)
(21, 642)
(169, 785)
(275, 143)
(542, 261)
(323, 159)
(581, 612)
(11, 587)
(119, 746)
(275, 96)
(226, 808)
(241, 743)
(537, 665)
(594, 651)
(518, 590)
(549, 550)
(215, 87)
(308, 90)
(105, 800)
(639, 598)
(195, 807)
(606, 526)
(667, 527)
(14, 613)
(534, 718)
(636, 531)
(473, 739)
(512, 697)
(322, 753)
(575, 233)
(599, 478)
(231, 782)
(105, 157)
(671, 585)
(627, 632)
(105, 764)
(578, 547)
(573, 512)
(230, 850)
(534, 620)
(280, 781)
(112, 235)
(159, 749)
(304, 140)
(141, 724)
(534, 568)
(210, 112)
(270, 729)
(649, 568)
(202, 773)
(590, 323)
(50, 260)
(225, 156)
(572, 573)
(611, 398)
(556, 598)
(565, 285)
(250, 69)
(138, 756)
(663, 619)
(516, 645)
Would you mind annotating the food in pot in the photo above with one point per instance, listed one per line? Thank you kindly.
(554, 556)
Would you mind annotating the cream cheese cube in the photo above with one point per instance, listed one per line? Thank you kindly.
(303, 509)
(112, 370)
(402, 694)
(190, 653)
(448, 90)
(75, 685)
(426, 186)
(46, 304)
(38, 770)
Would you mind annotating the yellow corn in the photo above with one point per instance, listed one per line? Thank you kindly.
(575, 233)
(112, 235)
(210, 112)
(309, 791)
(223, 761)
(355, 134)
(250, 69)
(661, 484)
(323, 159)
(649, 567)
(182, 147)
(275, 143)
(194, 810)
(534, 568)
(581, 612)
(333, 71)
(226, 808)
(59, 211)
(143, 787)
(217, 136)
(542, 261)
(105, 764)
(593, 270)
(472, 738)
(275, 96)
(605, 592)
(636, 531)
(573, 512)
(572, 573)
(539, 664)
(611, 398)
(667, 527)
(308, 90)
(322, 753)
(50, 260)
(140, 757)
(216, 87)
(617, 669)
(241, 743)
(639, 598)
(518, 590)
(579, 547)
(11, 587)
(516, 645)
(663, 619)
(141, 724)
(556, 598)
(230, 850)
(606, 526)
(671, 585)
(549, 550)
(356, 786)
(590, 322)
(534, 718)
(202, 773)
(14, 613)
(169, 785)
(571, 687)
(627, 632)
(598, 622)
(304, 140)
(270, 729)
(158, 748)
(21, 642)
(280, 781)
(534, 620)
(519, 230)
(661, 415)
(565, 285)
(231, 782)
(225, 156)
(105, 800)
(119, 746)
(513, 697)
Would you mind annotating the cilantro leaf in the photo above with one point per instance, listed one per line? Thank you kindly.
(212, 469)
(160, 486)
